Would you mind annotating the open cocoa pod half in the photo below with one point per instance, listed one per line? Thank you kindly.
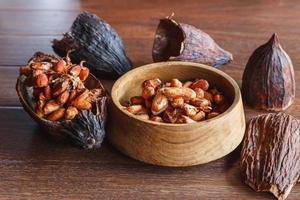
(85, 127)
(183, 42)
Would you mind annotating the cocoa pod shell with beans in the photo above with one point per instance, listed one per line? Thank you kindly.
(93, 40)
(268, 79)
(183, 42)
(85, 128)
(270, 157)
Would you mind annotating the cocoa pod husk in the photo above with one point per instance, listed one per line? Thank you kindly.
(268, 80)
(270, 157)
(183, 42)
(95, 41)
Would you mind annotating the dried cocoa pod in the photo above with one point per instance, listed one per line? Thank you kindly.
(159, 104)
(178, 41)
(85, 128)
(268, 79)
(200, 102)
(93, 40)
(270, 157)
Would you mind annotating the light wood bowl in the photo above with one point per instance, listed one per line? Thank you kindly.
(175, 144)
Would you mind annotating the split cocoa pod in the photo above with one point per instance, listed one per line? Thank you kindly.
(64, 98)
(268, 79)
(183, 42)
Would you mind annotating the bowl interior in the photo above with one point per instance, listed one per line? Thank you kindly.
(130, 84)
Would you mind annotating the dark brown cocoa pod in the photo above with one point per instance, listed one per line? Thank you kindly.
(268, 79)
(270, 157)
(85, 128)
(95, 41)
(178, 41)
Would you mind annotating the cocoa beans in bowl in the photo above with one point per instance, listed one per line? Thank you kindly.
(172, 144)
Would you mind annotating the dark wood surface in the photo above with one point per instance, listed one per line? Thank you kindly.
(32, 166)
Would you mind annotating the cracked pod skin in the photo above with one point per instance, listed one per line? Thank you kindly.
(182, 42)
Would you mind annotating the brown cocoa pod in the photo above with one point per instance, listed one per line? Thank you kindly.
(82, 105)
(270, 156)
(70, 113)
(56, 115)
(50, 106)
(268, 79)
(178, 41)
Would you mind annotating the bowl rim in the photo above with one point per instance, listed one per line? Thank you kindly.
(120, 107)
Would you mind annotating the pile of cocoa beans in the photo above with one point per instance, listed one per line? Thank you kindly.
(177, 102)
(58, 88)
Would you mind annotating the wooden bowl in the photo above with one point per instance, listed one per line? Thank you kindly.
(175, 144)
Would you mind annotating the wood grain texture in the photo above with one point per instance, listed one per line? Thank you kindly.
(34, 167)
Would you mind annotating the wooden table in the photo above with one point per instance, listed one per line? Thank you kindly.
(32, 166)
